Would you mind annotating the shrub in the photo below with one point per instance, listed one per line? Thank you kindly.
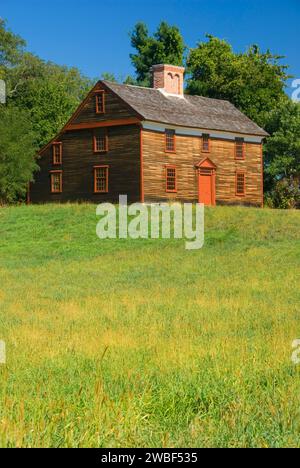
(285, 195)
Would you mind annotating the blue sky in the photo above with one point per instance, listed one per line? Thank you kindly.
(93, 35)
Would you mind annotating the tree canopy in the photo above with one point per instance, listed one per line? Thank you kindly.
(165, 46)
(48, 91)
(282, 150)
(11, 49)
(254, 81)
(16, 153)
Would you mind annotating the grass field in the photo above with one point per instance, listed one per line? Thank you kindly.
(142, 343)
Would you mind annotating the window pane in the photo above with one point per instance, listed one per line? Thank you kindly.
(100, 143)
(170, 140)
(100, 102)
(101, 179)
(239, 149)
(205, 143)
(56, 182)
(57, 154)
(171, 179)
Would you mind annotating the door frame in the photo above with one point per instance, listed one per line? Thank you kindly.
(207, 165)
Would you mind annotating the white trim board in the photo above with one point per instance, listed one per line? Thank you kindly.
(159, 127)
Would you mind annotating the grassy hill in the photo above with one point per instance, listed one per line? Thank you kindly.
(142, 343)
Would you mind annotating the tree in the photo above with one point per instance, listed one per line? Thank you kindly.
(282, 156)
(253, 81)
(17, 161)
(11, 49)
(165, 46)
(107, 76)
(282, 149)
(49, 92)
(129, 80)
(284, 195)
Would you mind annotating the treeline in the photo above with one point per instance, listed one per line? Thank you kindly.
(41, 96)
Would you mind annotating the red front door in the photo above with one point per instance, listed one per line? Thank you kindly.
(206, 187)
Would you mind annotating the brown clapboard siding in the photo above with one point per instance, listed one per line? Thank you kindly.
(79, 160)
(113, 106)
(188, 154)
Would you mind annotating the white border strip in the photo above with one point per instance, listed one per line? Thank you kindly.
(158, 127)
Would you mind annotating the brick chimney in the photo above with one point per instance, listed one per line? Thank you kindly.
(168, 78)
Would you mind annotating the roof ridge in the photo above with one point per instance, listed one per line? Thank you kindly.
(195, 111)
(157, 90)
(128, 85)
(208, 98)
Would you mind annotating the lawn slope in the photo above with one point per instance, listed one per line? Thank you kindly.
(142, 343)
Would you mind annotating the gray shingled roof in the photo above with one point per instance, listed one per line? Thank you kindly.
(190, 111)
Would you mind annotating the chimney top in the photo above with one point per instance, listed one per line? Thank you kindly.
(168, 79)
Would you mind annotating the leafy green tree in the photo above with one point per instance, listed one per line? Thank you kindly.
(11, 49)
(282, 156)
(285, 194)
(129, 80)
(17, 154)
(49, 92)
(106, 76)
(165, 46)
(253, 81)
(282, 149)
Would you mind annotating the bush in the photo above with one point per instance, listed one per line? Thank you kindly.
(285, 195)
(17, 154)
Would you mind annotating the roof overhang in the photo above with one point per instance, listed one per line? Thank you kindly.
(192, 131)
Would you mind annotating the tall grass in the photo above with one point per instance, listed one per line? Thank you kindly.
(142, 343)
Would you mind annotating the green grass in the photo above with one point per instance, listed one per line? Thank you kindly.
(142, 343)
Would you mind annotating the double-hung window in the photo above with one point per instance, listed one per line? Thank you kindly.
(101, 179)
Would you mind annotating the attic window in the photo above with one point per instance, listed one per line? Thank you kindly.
(56, 181)
(240, 183)
(240, 148)
(100, 102)
(101, 141)
(57, 153)
(170, 142)
(171, 179)
(205, 143)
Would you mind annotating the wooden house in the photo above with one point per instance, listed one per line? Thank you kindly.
(153, 145)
